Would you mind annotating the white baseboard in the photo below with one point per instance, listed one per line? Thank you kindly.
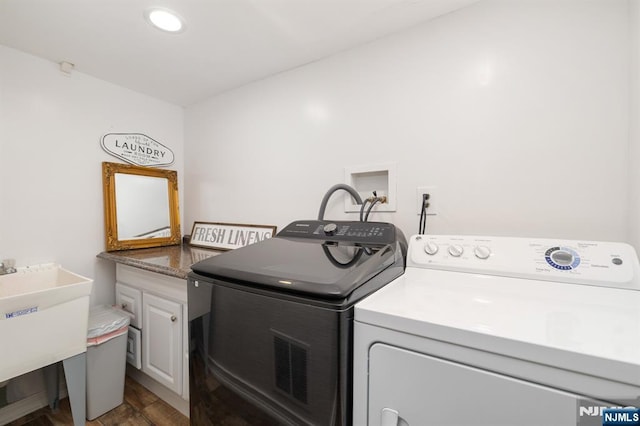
(25, 406)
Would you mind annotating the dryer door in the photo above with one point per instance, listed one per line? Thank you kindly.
(410, 388)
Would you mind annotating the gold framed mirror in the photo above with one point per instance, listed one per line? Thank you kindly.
(140, 207)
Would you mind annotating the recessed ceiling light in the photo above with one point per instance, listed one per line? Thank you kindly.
(165, 19)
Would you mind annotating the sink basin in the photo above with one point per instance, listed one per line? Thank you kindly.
(44, 311)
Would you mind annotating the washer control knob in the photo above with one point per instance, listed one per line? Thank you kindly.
(330, 228)
(456, 250)
(431, 248)
(482, 252)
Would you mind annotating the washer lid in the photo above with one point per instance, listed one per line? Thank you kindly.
(303, 266)
(576, 327)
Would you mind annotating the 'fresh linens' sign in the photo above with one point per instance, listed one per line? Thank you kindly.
(227, 236)
(138, 149)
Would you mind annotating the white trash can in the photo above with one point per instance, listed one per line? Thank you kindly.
(106, 359)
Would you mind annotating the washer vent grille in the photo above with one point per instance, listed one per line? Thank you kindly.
(291, 368)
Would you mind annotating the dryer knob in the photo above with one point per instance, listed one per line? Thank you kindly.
(456, 250)
(431, 248)
(482, 252)
(330, 228)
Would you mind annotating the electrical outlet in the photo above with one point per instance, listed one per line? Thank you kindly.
(433, 199)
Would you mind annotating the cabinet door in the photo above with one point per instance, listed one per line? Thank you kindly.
(129, 299)
(185, 353)
(162, 341)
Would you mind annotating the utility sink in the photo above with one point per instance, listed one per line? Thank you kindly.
(44, 311)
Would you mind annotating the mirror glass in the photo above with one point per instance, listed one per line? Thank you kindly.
(141, 206)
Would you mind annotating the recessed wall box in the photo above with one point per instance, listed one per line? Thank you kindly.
(366, 179)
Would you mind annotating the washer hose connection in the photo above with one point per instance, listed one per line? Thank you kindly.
(334, 188)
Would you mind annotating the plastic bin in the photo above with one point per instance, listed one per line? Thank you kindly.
(106, 359)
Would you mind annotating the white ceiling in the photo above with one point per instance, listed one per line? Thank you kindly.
(226, 44)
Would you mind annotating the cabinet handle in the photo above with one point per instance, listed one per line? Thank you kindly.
(173, 318)
(124, 306)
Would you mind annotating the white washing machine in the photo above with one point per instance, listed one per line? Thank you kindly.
(500, 331)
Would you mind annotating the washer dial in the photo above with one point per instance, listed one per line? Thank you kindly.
(562, 258)
(456, 250)
(431, 248)
(482, 252)
(330, 228)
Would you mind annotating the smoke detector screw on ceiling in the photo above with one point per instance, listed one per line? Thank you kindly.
(66, 67)
(165, 19)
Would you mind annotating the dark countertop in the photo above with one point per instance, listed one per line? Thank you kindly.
(174, 261)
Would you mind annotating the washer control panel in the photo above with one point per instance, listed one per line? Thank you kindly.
(571, 261)
(347, 231)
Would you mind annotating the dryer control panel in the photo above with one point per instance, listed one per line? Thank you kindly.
(572, 261)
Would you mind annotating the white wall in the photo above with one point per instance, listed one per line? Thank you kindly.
(516, 111)
(634, 125)
(51, 206)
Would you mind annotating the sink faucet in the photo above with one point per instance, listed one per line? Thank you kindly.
(7, 266)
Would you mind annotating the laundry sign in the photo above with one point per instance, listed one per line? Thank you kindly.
(138, 149)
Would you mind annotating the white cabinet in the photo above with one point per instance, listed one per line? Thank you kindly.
(162, 340)
(157, 304)
(129, 299)
(134, 347)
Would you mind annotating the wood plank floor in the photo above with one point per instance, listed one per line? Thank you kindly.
(140, 407)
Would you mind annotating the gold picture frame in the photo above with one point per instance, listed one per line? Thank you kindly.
(116, 178)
